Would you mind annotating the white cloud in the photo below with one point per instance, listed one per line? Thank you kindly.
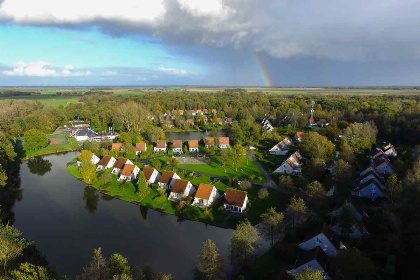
(176, 72)
(42, 69)
(110, 73)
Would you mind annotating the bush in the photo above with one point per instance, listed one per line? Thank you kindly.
(246, 185)
(105, 179)
(263, 194)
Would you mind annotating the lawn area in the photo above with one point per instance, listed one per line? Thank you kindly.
(245, 171)
(66, 144)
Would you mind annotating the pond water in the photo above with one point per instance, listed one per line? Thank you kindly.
(67, 220)
(189, 135)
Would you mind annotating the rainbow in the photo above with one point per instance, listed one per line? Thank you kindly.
(264, 73)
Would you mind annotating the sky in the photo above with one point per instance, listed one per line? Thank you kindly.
(209, 43)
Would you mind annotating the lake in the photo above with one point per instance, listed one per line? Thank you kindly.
(67, 220)
(189, 135)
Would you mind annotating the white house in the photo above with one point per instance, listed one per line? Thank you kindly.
(177, 146)
(167, 179)
(205, 196)
(152, 175)
(299, 136)
(315, 259)
(193, 146)
(95, 159)
(106, 162)
(390, 151)
(129, 173)
(235, 201)
(181, 189)
(325, 239)
(267, 125)
(291, 166)
(383, 165)
(282, 147)
(119, 165)
(160, 146)
(83, 134)
(140, 147)
(369, 189)
(224, 142)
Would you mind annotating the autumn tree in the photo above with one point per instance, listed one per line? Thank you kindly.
(3, 176)
(318, 146)
(97, 268)
(155, 133)
(133, 116)
(87, 168)
(117, 265)
(172, 162)
(342, 173)
(237, 155)
(35, 139)
(224, 158)
(210, 264)
(310, 274)
(360, 136)
(243, 243)
(316, 190)
(28, 271)
(272, 225)
(296, 211)
(285, 182)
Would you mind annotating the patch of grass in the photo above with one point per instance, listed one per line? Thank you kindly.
(71, 145)
(202, 179)
(74, 170)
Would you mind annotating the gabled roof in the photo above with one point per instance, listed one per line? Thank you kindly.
(116, 146)
(204, 191)
(300, 134)
(209, 140)
(368, 183)
(166, 177)
(374, 173)
(180, 186)
(223, 140)
(120, 163)
(327, 232)
(311, 121)
(105, 160)
(177, 144)
(193, 144)
(148, 171)
(161, 144)
(140, 147)
(315, 253)
(128, 169)
(235, 197)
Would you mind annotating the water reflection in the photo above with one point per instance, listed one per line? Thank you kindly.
(92, 199)
(9, 194)
(39, 166)
(143, 212)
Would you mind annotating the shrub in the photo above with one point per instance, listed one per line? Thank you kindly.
(263, 194)
(246, 185)
(206, 211)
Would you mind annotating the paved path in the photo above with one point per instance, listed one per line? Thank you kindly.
(270, 183)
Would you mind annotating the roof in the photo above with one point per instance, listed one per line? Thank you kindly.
(315, 253)
(193, 144)
(369, 182)
(177, 144)
(311, 121)
(204, 191)
(327, 232)
(180, 186)
(116, 146)
(300, 134)
(105, 160)
(83, 132)
(120, 163)
(374, 173)
(229, 120)
(160, 144)
(140, 147)
(209, 140)
(166, 177)
(79, 123)
(191, 121)
(322, 121)
(235, 197)
(128, 169)
(148, 171)
(223, 140)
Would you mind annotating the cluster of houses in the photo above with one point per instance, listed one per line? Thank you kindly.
(321, 245)
(321, 122)
(235, 200)
(293, 164)
(267, 125)
(206, 116)
(371, 180)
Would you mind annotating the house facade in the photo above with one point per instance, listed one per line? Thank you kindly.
(282, 147)
(129, 173)
(152, 175)
(209, 141)
(95, 159)
(119, 165)
(299, 136)
(168, 179)
(235, 200)
(193, 146)
(291, 166)
(390, 150)
(177, 146)
(205, 195)
(224, 142)
(140, 147)
(117, 147)
(160, 146)
(106, 162)
(181, 189)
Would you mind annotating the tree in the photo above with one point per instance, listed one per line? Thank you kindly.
(263, 193)
(243, 243)
(3, 176)
(124, 137)
(360, 136)
(296, 210)
(347, 154)
(352, 264)
(272, 224)
(224, 158)
(318, 146)
(332, 131)
(117, 265)
(157, 164)
(285, 182)
(133, 116)
(12, 245)
(393, 187)
(342, 173)
(155, 133)
(129, 149)
(310, 274)
(35, 139)
(143, 187)
(28, 271)
(87, 168)
(105, 179)
(210, 264)
(246, 185)
(97, 269)
(316, 189)
(237, 155)
(346, 220)
(172, 162)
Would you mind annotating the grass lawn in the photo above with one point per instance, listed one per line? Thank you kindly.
(245, 171)
(69, 144)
